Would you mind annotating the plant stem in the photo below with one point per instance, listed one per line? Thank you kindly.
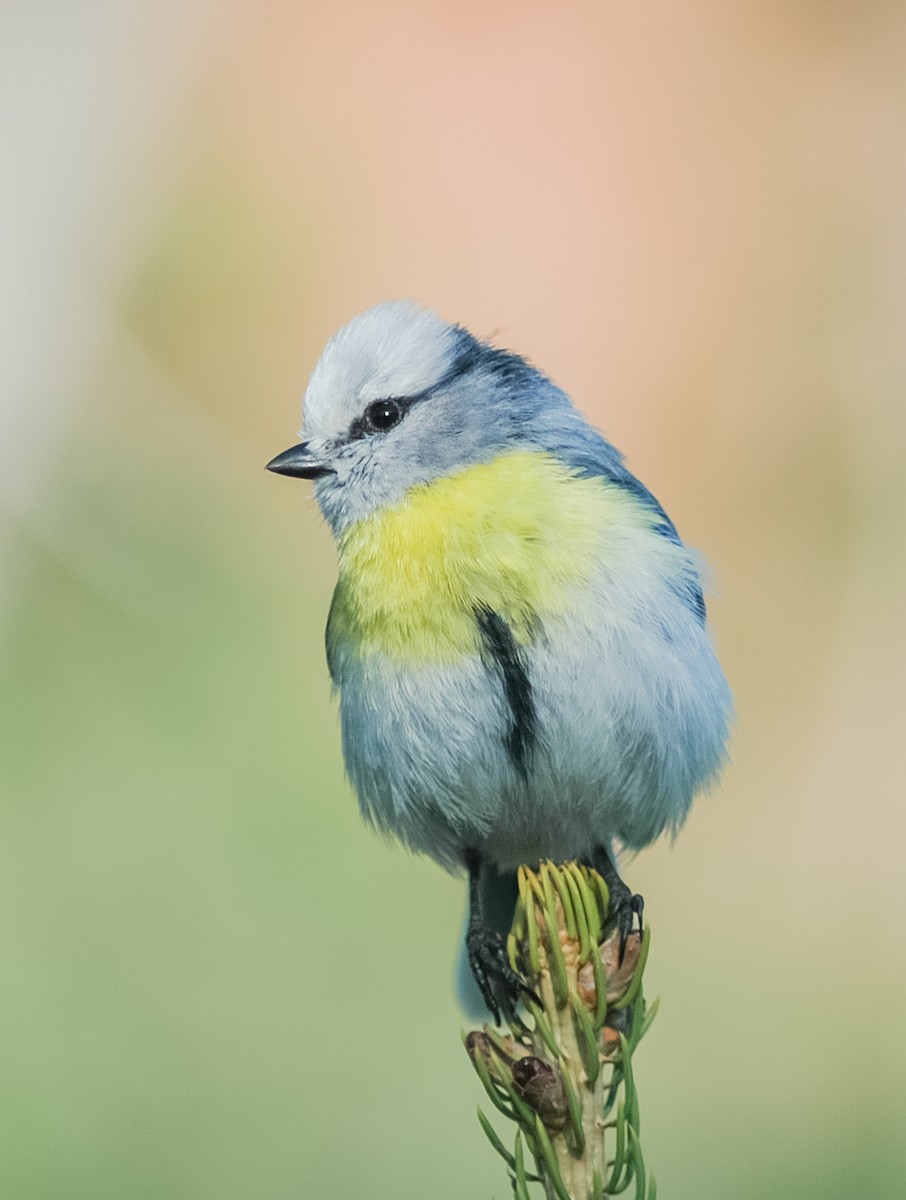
(565, 1075)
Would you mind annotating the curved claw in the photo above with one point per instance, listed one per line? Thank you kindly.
(624, 909)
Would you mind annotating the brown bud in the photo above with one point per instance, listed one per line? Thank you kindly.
(585, 986)
(506, 1048)
(619, 975)
(477, 1043)
(610, 1042)
(541, 1087)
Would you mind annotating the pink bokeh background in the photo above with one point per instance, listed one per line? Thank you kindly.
(692, 218)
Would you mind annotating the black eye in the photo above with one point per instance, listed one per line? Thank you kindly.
(383, 415)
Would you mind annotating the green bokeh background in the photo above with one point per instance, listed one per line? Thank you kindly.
(216, 981)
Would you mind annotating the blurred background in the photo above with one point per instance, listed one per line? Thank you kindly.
(216, 982)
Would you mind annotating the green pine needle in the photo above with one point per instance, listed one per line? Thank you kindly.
(559, 1072)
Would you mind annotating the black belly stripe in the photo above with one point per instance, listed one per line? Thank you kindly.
(501, 651)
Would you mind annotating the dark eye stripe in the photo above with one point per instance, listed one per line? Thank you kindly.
(470, 355)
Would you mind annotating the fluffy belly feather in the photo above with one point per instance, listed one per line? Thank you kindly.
(629, 705)
(629, 727)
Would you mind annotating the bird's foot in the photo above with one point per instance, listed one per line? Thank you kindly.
(499, 984)
(625, 906)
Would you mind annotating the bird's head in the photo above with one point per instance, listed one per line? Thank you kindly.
(399, 398)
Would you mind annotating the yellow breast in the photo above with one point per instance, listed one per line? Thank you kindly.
(516, 535)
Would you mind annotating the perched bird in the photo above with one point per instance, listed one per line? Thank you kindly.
(517, 634)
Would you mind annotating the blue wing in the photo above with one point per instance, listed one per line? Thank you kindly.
(591, 455)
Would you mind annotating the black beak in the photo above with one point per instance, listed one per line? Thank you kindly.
(300, 462)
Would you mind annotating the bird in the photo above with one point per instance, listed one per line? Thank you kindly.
(518, 635)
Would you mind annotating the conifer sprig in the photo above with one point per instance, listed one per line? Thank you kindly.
(564, 1075)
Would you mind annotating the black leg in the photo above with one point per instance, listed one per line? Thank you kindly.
(487, 951)
(625, 905)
